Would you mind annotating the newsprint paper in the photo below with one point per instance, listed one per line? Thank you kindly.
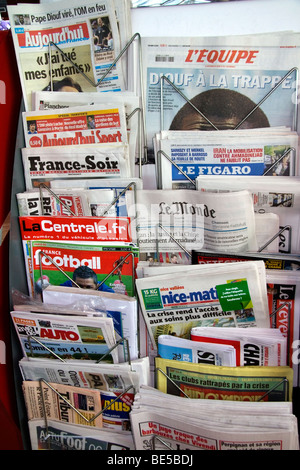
(224, 77)
(64, 436)
(231, 294)
(213, 221)
(161, 422)
(72, 27)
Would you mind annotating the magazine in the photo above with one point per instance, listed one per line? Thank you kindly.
(45, 336)
(45, 165)
(235, 82)
(161, 421)
(76, 36)
(111, 266)
(121, 308)
(64, 436)
(194, 219)
(278, 195)
(221, 295)
(70, 229)
(254, 346)
(198, 381)
(76, 126)
(53, 401)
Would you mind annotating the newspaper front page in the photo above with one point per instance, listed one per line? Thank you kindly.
(80, 30)
(234, 295)
(224, 77)
(243, 383)
(161, 422)
(278, 195)
(76, 126)
(64, 436)
(193, 219)
(41, 398)
(222, 154)
(44, 164)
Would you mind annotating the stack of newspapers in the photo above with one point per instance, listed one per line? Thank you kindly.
(163, 422)
(74, 376)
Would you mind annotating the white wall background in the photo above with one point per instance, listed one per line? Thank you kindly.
(237, 17)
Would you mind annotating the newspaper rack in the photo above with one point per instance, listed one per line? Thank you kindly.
(88, 421)
(142, 128)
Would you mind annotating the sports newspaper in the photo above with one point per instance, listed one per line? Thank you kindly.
(58, 435)
(243, 67)
(76, 126)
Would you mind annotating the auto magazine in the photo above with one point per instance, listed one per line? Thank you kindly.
(70, 338)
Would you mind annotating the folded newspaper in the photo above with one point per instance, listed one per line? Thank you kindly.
(244, 383)
(44, 165)
(253, 346)
(119, 187)
(62, 203)
(63, 403)
(75, 39)
(181, 156)
(76, 126)
(207, 220)
(233, 294)
(279, 195)
(58, 435)
(162, 422)
(180, 349)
